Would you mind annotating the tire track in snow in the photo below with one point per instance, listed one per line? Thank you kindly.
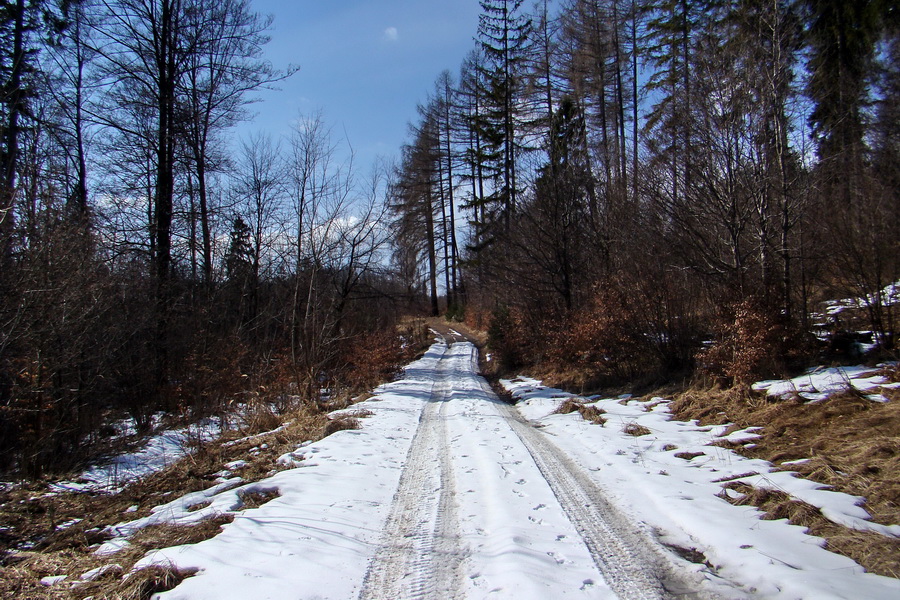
(419, 555)
(631, 565)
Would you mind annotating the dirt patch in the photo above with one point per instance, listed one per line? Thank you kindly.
(456, 331)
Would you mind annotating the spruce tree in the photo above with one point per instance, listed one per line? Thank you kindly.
(503, 36)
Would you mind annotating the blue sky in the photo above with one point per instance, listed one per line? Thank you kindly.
(364, 63)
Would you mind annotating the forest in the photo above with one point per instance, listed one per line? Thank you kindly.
(629, 190)
(655, 190)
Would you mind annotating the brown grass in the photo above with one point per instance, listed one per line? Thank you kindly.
(32, 516)
(689, 455)
(29, 515)
(142, 584)
(257, 498)
(636, 430)
(340, 423)
(21, 572)
(568, 406)
(588, 412)
(877, 553)
(850, 443)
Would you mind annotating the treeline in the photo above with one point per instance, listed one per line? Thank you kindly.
(147, 262)
(635, 178)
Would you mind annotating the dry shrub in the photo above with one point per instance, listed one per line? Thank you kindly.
(414, 335)
(209, 379)
(510, 338)
(370, 359)
(601, 339)
(259, 416)
(750, 344)
(477, 318)
(636, 430)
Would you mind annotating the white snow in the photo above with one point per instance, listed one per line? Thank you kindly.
(819, 383)
(890, 295)
(316, 539)
(319, 536)
(99, 572)
(678, 497)
(159, 451)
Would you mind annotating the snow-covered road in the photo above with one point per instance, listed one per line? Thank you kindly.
(445, 492)
(486, 506)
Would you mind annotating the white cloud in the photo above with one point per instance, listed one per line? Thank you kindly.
(391, 34)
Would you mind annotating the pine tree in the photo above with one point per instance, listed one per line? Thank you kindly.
(19, 22)
(414, 201)
(503, 35)
(842, 37)
(239, 270)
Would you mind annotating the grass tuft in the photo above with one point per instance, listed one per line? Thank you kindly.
(142, 584)
(588, 412)
(256, 498)
(689, 455)
(340, 423)
(636, 430)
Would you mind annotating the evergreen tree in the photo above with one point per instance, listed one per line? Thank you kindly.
(20, 22)
(239, 270)
(503, 36)
(842, 37)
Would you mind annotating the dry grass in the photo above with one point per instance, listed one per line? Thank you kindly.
(689, 455)
(849, 442)
(31, 516)
(340, 423)
(32, 545)
(568, 406)
(257, 498)
(636, 430)
(142, 584)
(877, 553)
(588, 412)
(21, 572)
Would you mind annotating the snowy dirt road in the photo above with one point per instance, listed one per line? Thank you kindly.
(446, 492)
(428, 552)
